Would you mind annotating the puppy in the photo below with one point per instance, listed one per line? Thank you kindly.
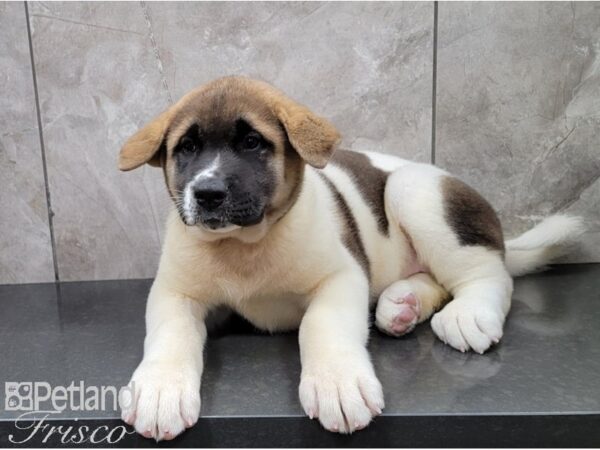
(271, 222)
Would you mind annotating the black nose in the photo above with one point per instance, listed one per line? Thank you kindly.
(211, 194)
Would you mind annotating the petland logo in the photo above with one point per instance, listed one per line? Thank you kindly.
(41, 396)
(39, 400)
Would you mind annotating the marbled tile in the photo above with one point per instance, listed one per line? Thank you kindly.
(366, 66)
(25, 249)
(105, 69)
(518, 108)
(98, 83)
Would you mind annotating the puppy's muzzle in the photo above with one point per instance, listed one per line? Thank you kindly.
(218, 205)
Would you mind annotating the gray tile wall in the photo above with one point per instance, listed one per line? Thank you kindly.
(25, 244)
(517, 108)
(98, 83)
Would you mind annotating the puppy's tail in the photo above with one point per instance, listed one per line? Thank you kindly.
(548, 240)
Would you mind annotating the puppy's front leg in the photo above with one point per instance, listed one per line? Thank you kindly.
(338, 383)
(166, 384)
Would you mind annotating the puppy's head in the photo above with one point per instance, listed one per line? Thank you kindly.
(233, 154)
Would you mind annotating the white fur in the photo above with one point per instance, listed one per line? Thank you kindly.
(338, 380)
(542, 244)
(189, 203)
(166, 385)
(297, 273)
(382, 251)
(386, 162)
(475, 276)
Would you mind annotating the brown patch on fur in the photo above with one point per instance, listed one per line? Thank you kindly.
(352, 239)
(471, 217)
(370, 182)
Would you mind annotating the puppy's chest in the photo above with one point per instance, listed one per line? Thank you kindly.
(273, 312)
(269, 296)
(262, 276)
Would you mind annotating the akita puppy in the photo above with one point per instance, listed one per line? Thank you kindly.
(274, 223)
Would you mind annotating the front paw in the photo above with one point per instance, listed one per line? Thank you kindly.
(165, 400)
(343, 393)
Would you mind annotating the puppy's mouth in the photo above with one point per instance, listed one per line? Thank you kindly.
(223, 220)
(219, 227)
(217, 224)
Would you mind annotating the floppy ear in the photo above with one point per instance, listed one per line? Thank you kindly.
(143, 147)
(313, 137)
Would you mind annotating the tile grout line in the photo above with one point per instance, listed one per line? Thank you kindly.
(156, 51)
(42, 146)
(165, 84)
(434, 82)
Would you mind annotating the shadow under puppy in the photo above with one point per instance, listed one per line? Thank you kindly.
(274, 224)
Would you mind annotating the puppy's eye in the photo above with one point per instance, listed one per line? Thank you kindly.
(187, 145)
(251, 141)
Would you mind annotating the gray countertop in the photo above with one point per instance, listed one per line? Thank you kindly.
(547, 363)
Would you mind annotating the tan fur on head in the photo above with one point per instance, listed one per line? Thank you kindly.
(143, 146)
(313, 137)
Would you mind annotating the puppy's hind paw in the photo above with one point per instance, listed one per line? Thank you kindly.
(397, 315)
(466, 326)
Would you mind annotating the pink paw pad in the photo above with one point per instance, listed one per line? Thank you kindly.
(408, 314)
(147, 434)
(167, 436)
